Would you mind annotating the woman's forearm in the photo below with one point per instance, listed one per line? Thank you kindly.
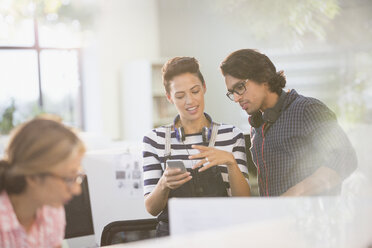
(156, 201)
(238, 184)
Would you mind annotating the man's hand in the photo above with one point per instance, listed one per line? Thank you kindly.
(320, 182)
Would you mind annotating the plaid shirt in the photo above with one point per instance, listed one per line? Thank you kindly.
(47, 230)
(305, 137)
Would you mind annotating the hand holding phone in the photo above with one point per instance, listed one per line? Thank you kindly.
(174, 164)
(174, 179)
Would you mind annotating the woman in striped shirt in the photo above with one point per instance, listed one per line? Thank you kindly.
(196, 140)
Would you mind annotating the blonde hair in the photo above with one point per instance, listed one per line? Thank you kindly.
(35, 147)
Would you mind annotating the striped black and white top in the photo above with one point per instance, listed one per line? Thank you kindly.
(229, 138)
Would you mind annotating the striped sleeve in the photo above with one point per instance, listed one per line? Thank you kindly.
(152, 170)
(239, 152)
(231, 139)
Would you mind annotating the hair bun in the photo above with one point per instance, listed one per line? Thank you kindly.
(4, 166)
(281, 79)
(277, 82)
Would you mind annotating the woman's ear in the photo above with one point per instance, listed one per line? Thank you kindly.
(169, 98)
(205, 88)
(32, 181)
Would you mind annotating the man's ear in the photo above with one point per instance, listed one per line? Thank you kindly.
(266, 85)
(169, 98)
(205, 88)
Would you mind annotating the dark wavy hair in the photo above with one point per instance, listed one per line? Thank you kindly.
(253, 65)
(177, 66)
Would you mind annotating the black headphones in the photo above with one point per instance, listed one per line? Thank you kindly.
(206, 132)
(270, 115)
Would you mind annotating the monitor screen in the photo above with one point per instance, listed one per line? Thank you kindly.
(79, 214)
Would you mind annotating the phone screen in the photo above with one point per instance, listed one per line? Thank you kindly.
(176, 164)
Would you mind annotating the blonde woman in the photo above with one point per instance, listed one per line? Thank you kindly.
(39, 173)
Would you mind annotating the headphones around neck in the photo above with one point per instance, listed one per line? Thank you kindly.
(270, 115)
(180, 132)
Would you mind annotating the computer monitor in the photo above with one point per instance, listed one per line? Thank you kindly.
(79, 215)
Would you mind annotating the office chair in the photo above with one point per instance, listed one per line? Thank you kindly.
(128, 230)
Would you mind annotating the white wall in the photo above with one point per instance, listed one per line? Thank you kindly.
(196, 29)
(137, 100)
(209, 31)
(125, 30)
(130, 30)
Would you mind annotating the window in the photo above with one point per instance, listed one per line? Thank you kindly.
(40, 70)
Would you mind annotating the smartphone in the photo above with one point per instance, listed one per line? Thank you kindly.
(174, 164)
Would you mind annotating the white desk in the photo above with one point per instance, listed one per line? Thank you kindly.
(273, 234)
(290, 222)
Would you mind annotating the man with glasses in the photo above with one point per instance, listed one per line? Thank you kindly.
(297, 145)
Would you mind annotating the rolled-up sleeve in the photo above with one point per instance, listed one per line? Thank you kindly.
(328, 140)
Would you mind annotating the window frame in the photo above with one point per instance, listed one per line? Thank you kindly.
(38, 49)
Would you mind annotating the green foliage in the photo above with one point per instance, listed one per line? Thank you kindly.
(35, 111)
(349, 89)
(342, 26)
(6, 123)
(355, 92)
(311, 16)
(287, 20)
(50, 11)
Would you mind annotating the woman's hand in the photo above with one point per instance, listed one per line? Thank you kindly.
(174, 178)
(211, 156)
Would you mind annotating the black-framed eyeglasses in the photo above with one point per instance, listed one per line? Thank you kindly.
(239, 88)
(69, 181)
